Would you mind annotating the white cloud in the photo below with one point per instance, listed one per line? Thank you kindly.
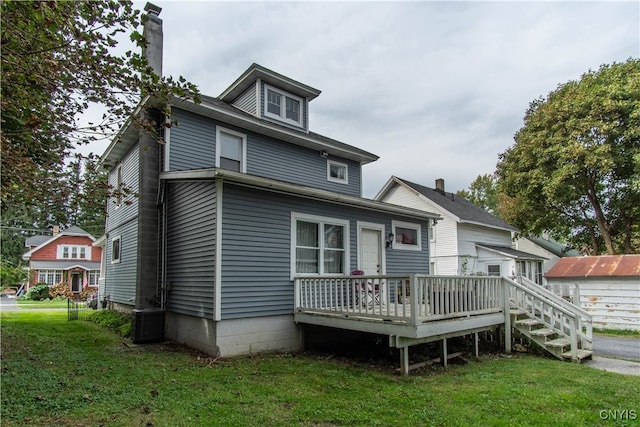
(436, 89)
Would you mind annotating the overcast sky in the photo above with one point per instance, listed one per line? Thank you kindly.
(436, 89)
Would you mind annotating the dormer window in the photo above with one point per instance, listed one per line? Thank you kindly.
(283, 106)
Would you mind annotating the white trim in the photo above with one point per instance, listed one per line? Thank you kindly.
(361, 225)
(295, 216)
(338, 180)
(119, 259)
(258, 99)
(411, 226)
(242, 136)
(217, 290)
(283, 105)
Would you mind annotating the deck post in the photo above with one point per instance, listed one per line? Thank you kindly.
(413, 298)
(507, 317)
(475, 344)
(443, 353)
(404, 360)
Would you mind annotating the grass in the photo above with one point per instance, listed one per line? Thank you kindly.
(45, 304)
(56, 372)
(618, 332)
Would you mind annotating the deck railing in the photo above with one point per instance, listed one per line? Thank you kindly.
(410, 299)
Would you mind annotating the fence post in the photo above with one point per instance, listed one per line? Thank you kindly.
(507, 317)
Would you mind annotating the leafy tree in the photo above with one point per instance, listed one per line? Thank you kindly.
(575, 166)
(483, 192)
(58, 60)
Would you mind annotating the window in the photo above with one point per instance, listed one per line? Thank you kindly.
(94, 276)
(337, 172)
(319, 245)
(283, 106)
(74, 252)
(50, 277)
(231, 151)
(494, 270)
(115, 250)
(406, 236)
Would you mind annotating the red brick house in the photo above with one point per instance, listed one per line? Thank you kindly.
(66, 257)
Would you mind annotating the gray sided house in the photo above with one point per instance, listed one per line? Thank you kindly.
(216, 223)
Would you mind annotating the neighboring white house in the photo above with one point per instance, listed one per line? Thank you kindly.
(547, 248)
(468, 239)
(607, 287)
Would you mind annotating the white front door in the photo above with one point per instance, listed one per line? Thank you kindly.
(371, 251)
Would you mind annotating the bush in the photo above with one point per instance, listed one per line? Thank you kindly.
(37, 293)
(118, 322)
(61, 290)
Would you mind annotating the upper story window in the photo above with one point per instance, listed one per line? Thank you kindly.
(74, 252)
(283, 106)
(337, 172)
(118, 186)
(231, 150)
(407, 236)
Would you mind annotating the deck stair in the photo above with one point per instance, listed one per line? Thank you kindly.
(557, 326)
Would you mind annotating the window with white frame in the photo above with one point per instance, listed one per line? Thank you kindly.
(494, 270)
(319, 245)
(116, 250)
(337, 172)
(231, 150)
(94, 276)
(50, 277)
(406, 236)
(74, 252)
(283, 106)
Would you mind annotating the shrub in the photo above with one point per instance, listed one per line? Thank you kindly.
(118, 322)
(61, 290)
(37, 293)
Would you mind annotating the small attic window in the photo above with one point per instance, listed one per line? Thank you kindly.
(283, 106)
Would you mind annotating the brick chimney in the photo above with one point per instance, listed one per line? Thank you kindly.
(440, 185)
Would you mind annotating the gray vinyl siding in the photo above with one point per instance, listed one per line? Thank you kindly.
(247, 101)
(274, 159)
(120, 279)
(192, 146)
(117, 215)
(256, 245)
(191, 248)
(192, 142)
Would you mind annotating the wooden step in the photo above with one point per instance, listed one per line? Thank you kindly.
(528, 322)
(517, 311)
(582, 354)
(559, 342)
(543, 332)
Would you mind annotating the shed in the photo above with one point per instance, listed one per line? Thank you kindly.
(607, 286)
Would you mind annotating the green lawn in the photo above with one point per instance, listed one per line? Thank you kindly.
(56, 372)
(54, 303)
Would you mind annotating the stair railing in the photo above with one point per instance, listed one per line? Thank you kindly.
(584, 320)
(553, 312)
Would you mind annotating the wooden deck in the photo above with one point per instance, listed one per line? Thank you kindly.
(418, 308)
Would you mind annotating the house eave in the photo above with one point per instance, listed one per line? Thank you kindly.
(297, 190)
(262, 127)
(255, 72)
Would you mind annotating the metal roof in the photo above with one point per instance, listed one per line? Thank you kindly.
(596, 266)
(510, 252)
(65, 265)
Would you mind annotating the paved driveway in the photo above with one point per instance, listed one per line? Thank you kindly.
(8, 304)
(618, 347)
